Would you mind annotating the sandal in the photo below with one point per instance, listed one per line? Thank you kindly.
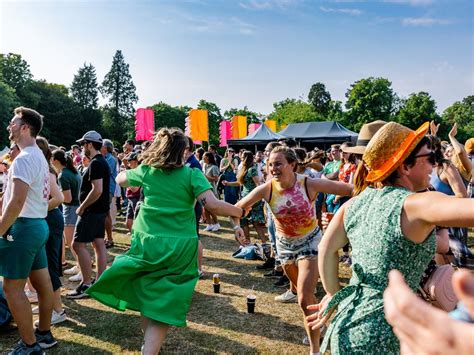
(109, 244)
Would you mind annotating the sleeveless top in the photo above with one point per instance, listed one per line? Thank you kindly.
(372, 224)
(439, 185)
(293, 211)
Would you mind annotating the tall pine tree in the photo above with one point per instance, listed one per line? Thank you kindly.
(119, 90)
(84, 88)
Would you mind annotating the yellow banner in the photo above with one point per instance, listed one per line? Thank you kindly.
(239, 127)
(271, 124)
(198, 125)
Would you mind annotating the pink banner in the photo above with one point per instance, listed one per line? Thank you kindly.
(253, 127)
(225, 133)
(144, 124)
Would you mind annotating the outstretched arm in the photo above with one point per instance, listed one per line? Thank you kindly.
(328, 187)
(459, 148)
(209, 201)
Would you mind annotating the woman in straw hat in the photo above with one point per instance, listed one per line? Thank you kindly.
(390, 227)
(157, 275)
(291, 198)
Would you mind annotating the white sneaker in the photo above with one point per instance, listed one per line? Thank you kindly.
(287, 297)
(209, 228)
(35, 310)
(215, 227)
(56, 318)
(76, 278)
(32, 296)
(72, 271)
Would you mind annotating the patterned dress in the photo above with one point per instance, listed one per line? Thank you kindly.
(256, 214)
(372, 223)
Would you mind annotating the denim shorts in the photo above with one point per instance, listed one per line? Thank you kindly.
(70, 215)
(290, 250)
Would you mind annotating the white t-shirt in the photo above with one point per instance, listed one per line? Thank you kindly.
(30, 166)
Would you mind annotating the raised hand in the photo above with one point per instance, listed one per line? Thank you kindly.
(454, 130)
(434, 128)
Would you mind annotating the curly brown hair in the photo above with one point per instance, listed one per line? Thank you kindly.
(167, 149)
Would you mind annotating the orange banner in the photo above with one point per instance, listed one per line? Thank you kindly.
(198, 125)
(271, 124)
(239, 127)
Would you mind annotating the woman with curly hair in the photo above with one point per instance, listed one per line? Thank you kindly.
(157, 276)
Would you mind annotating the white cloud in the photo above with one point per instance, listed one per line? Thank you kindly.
(412, 2)
(424, 21)
(245, 28)
(352, 12)
(267, 4)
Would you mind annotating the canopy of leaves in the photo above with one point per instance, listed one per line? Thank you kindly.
(461, 112)
(369, 100)
(320, 98)
(293, 111)
(417, 109)
(169, 116)
(8, 101)
(14, 70)
(84, 88)
(252, 117)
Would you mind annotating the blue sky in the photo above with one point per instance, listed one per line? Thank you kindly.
(249, 52)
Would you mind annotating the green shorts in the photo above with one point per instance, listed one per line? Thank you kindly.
(27, 250)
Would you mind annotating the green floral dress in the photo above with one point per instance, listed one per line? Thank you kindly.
(372, 224)
(256, 214)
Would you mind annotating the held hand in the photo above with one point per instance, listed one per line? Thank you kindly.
(224, 182)
(453, 131)
(317, 319)
(79, 211)
(240, 237)
(434, 128)
(247, 211)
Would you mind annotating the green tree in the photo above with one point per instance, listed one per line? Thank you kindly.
(336, 113)
(369, 100)
(320, 98)
(170, 116)
(8, 101)
(252, 117)
(293, 111)
(119, 90)
(462, 113)
(15, 71)
(214, 119)
(84, 88)
(418, 108)
(63, 120)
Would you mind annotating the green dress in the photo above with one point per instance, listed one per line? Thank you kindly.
(158, 274)
(256, 213)
(372, 224)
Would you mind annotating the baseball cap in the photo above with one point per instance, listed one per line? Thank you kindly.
(91, 136)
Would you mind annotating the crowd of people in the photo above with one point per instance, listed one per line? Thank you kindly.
(373, 205)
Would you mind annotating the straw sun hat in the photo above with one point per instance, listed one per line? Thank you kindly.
(365, 135)
(389, 147)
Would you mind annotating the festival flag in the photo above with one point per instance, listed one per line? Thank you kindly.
(271, 124)
(198, 125)
(225, 132)
(239, 127)
(144, 124)
(253, 127)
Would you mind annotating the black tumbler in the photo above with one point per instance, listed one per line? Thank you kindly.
(217, 288)
(251, 304)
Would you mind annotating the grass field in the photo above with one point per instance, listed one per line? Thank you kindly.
(217, 323)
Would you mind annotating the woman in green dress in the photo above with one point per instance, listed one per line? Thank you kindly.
(389, 227)
(157, 276)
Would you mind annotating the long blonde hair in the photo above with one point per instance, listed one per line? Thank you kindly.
(167, 149)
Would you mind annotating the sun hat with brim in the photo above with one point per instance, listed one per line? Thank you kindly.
(91, 136)
(365, 135)
(389, 148)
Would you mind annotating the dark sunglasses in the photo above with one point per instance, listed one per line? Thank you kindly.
(431, 157)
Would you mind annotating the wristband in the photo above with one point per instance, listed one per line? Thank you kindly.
(235, 227)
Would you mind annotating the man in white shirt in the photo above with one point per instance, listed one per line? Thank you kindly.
(25, 232)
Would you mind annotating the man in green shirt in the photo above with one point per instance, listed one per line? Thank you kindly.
(331, 169)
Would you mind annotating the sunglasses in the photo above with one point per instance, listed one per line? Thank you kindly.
(431, 157)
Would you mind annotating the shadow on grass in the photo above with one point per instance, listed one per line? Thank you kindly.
(226, 316)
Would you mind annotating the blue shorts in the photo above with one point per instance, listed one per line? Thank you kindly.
(26, 251)
(290, 250)
(70, 215)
